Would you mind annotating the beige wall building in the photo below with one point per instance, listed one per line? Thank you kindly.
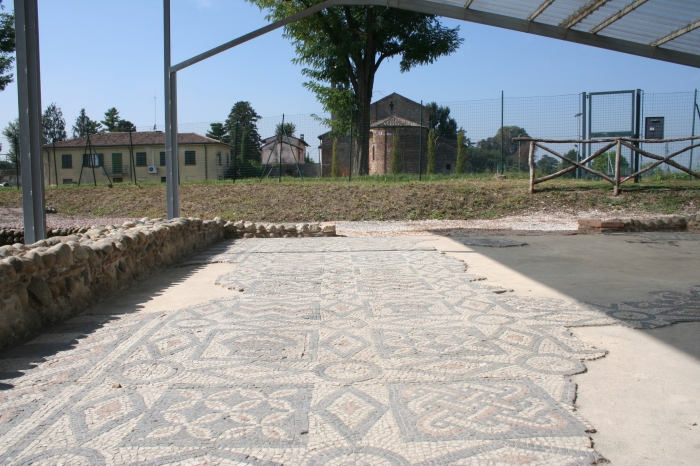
(117, 157)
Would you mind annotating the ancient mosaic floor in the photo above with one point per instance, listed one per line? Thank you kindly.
(328, 351)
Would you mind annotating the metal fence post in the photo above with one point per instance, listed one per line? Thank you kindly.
(29, 100)
(172, 172)
(695, 107)
(637, 131)
(503, 166)
(618, 155)
(352, 115)
(531, 161)
(420, 144)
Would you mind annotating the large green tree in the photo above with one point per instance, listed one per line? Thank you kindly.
(343, 47)
(111, 120)
(84, 125)
(7, 47)
(441, 122)
(53, 124)
(242, 124)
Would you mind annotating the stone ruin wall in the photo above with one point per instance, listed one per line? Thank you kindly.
(53, 279)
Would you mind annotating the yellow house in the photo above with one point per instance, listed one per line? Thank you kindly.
(120, 157)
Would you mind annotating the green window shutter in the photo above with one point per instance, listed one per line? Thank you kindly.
(117, 167)
(67, 161)
(190, 157)
(86, 160)
(140, 159)
(162, 159)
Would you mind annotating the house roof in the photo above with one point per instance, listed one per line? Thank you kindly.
(145, 138)
(393, 121)
(271, 139)
(393, 96)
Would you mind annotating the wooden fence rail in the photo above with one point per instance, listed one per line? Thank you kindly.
(618, 143)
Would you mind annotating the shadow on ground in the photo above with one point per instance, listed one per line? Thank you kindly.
(40, 347)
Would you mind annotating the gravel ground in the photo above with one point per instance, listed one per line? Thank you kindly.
(526, 224)
(12, 218)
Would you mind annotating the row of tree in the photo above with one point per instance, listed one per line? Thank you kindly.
(54, 127)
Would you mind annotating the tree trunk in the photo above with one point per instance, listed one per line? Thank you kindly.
(360, 156)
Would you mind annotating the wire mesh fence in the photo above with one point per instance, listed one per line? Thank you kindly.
(298, 145)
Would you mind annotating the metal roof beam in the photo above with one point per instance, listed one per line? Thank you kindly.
(468, 4)
(628, 9)
(540, 9)
(474, 16)
(677, 33)
(582, 13)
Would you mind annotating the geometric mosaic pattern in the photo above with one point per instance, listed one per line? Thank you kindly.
(328, 351)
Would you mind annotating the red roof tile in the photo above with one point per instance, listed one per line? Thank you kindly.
(145, 138)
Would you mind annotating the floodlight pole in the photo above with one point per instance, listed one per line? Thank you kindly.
(172, 168)
(29, 100)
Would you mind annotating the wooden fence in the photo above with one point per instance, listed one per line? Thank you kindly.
(618, 143)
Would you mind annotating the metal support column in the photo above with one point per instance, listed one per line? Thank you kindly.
(172, 168)
(29, 100)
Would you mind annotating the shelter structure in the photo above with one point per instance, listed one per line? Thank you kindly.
(667, 30)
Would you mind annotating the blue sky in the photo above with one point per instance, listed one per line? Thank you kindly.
(98, 54)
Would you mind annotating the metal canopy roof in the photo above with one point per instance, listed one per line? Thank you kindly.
(667, 30)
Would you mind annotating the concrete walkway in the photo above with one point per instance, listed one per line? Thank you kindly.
(370, 351)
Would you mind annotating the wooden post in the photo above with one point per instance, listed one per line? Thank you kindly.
(618, 153)
(531, 159)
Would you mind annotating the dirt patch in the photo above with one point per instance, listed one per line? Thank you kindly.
(294, 201)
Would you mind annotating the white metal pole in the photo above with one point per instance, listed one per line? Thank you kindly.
(171, 159)
(29, 103)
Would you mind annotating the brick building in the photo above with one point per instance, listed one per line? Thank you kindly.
(393, 114)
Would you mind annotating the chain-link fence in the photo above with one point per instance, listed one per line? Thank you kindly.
(301, 146)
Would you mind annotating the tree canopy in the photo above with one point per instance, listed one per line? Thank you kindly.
(84, 125)
(7, 47)
(547, 164)
(288, 129)
(11, 133)
(115, 124)
(53, 124)
(341, 49)
(218, 132)
(441, 122)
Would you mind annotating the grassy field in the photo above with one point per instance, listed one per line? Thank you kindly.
(370, 198)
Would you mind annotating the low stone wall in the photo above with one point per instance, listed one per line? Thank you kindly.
(690, 223)
(16, 235)
(52, 279)
(278, 230)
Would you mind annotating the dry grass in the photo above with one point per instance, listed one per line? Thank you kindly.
(369, 199)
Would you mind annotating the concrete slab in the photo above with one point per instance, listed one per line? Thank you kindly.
(644, 396)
